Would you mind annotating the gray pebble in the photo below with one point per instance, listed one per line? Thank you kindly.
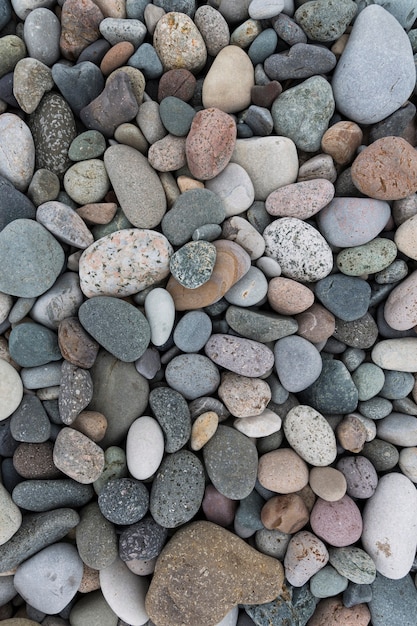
(193, 264)
(75, 391)
(123, 500)
(44, 495)
(173, 415)
(302, 60)
(356, 594)
(39, 22)
(192, 331)
(193, 375)
(259, 325)
(95, 537)
(383, 455)
(375, 408)
(334, 391)
(394, 602)
(32, 344)
(30, 422)
(147, 61)
(327, 583)
(48, 375)
(397, 385)
(143, 540)
(79, 84)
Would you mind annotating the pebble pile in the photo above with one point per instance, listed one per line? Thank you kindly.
(208, 312)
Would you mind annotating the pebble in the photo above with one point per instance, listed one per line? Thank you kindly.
(90, 144)
(354, 564)
(239, 355)
(114, 467)
(282, 471)
(77, 456)
(75, 345)
(17, 160)
(142, 459)
(396, 354)
(92, 424)
(87, 76)
(218, 508)
(393, 599)
(310, 435)
(259, 326)
(192, 265)
(167, 154)
(356, 594)
(302, 60)
(341, 141)
(11, 389)
(360, 474)
(77, 34)
(94, 609)
(297, 362)
(12, 50)
(398, 428)
(44, 495)
(179, 43)
(328, 483)
(245, 234)
(298, 603)
(250, 290)
(75, 392)
(369, 258)
(192, 331)
(32, 344)
(306, 555)
(143, 540)
(203, 429)
(390, 539)
(300, 200)
(243, 396)
(331, 611)
(399, 310)
(225, 455)
(31, 80)
(325, 20)
(347, 297)
(30, 422)
(49, 580)
(327, 583)
(408, 463)
(172, 413)
(379, 97)
(11, 517)
(234, 187)
(124, 592)
(286, 513)
(124, 262)
(289, 297)
(123, 501)
(326, 521)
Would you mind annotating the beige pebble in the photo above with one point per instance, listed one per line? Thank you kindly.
(98, 212)
(130, 135)
(327, 483)
(308, 496)
(316, 324)
(77, 456)
(203, 429)
(408, 463)
(341, 141)
(185, 183)
(92, 424)
(332, 612)
(339, 45)
(289, 297)
(221, 92)
(282, 471)
(351, 433)
(90, 580)
(244, 396)
(286, 513)
(406, 237)
(261, 425)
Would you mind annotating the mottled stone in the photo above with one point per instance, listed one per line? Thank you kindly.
(17, 160)
(338, 523)
(178, 43)
(240, 355)
(192, 265)
(310, 435)
(78, 33)
(306, 555)
(172, 413)
(334, 391)
(369, 258)
(302, 60)
(353, 563)
(213, 28)
(301, 200)
(75, 344)
(341, 141)
(77, 456)
(332, 612)
(75, 393)
(243, 396)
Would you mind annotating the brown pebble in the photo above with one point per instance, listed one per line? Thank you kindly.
(339, 45)
(328, 483)
(112, 8)
(308, 496)
(90, 580)
(35, 461)
(351, 433)
(316, 324)
(218, 508)
(98, 212)
(341, 141)
(244, 396)
(185, 183)
(282, 471)
(264, 95)
(332, 612)
(386, 170)
(92, 424)
(286, 513)
(288, 297)
(179, 83)
(77, 456)
(76, 345)
(80, 21)
(117, 56)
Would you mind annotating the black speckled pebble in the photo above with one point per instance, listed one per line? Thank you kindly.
(143, 540)
(44, 495)
(171, 410)
(123, 500)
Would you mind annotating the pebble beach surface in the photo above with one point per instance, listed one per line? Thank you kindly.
(208, 313)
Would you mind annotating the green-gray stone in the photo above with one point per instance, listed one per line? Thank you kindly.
(361, 333)
(369, 258)
(375, 408)
(96, 538)
(248, 513)
(176, 115)
(393, 273)
(397, 384)
(92, 609)
(383, 455)
(272, 542)
(171, 410)
(394, 602)
(115, 466)
(294, 606)
(303, 112)
(43, 187)
(354, 564)
(325, 20)
(353, 357)
(12, 49)
(88, 145)
(369, 379)
(32, 344)
(259, 325)
(327, 583)
(192, 265)
(333, 391)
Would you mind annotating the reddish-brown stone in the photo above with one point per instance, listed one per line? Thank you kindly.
(76, 345)
(80, 20)
(179, 83)
(35, 461)
(98, 212)
(117, 56)
(286, 513)
(341, 141)
(264, 95)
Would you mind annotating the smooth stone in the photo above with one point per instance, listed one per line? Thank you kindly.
(43, 187)
(287, 513)
(90, 144)
(262, 425)
(192, 375)
(385, 160)
(405, 236)
(160, 314)
(92, 609)
(144, 447)
(30, 422)
(14, 204)
(91, 423)
(369, 379)
(53, 128)
(192, 265)
(193, 209)
(399, 429)
(48, 375)
(213, 28)
(239, 355)
(327, 483)
(306, 555)
(327, 583)
(120, 393)
(390, 539)
(263, 46)
(310, 435)
(34, 461)
(395, 124)
(397, 384)
(12, 50)
(64, 223)
(243, 396)
(383, 455)
(245, 33)
(203, 429)
(124, 593)
(132, 177)
(347, 297)
(315, 324)
(408, 463)
(282, 471)
(75, 345)
(117, 326)
(32, 344)
(75, 392)
(171, 411)
(143, 540)
(325, 20)
(94, 52)
(147, 61)
(196, 546)
(300, 249)
(115, 466)
(178, 43)
(319, 166)
(150, 123)
(234, 187)
(79, 84)
(218, 91)
(7, 591)
(86, 182)
(250, 290)
(297, 603)
(302, 113)
(395, 600)
(38, 530)
(49, 580)
(264, 95)
(116, 30)
(167, 154)
(369, 258)
(334, 391)
(297, 362)
(225, 470)
(259, 325)
(302, 60)
(331, 611)
(354, 564)
(40, 252)
(44, 495)
(251, 154)
(192, 331)
(77, 456)
(245, 234)
(326, 521)
(396, 354)
(348, 222)
(10, 517)
(379, 98)
(97, 212)
(76, 33)
(177, 490)
(361, 333)
(289, 297)
(123, 501)
(176, 115)
(399, 311)
(301, 200)
(61, 301)
(5, 14)
(341, 141)
(356, 594)
(124, 262)
(31, 80)
(17, 160)
(180, 83)
(217, 508)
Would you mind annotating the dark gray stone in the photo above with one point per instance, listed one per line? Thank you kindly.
(288, 30)
(394, 602)
(45, 495)
(143, 540)
(5, 13)
(333, 392)
(177, 490)
(259, 120)
(395, 124)
(347, 297)
(248, 513)
(30, 422)
(192, 265)
(123, 500)
(13, 204)
(117, 326)
(171, 410)
(96, 538)
(295, 606)
(383, 455)
(32, 344)
(176, 115)
(94, 52)
(79, 84)
(356, 594)
(360, 333)
(182, 6)
(302, 60)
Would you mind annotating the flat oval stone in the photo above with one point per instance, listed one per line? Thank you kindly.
(160, 314)
(124, 592)
(193, 375)
(192, 331)
(238, 229)
(30, 257)
(386, 169)
(408, 463)
(231, 461)
(328, 483)
(178, 43)
(302, 60)
(177, 490)
(327, 582)
(334, 391)
(370, 258)
(289, 297)
(315, 323)
(301, 251)
(243, 396)
(192, 265)
(390, 538)
(32, 344)
(142, 458)
(366, 57)
(399, 429)
(49, 580)
(347, 297)
(124, 262)
(337, 523)
(282, 471)
(262, 425)
(301, 200)
(210, 143)
(234, 187)
(90, 144)
(173, 415)
(354, 564)
(117, 326)
(360, 474)
(213, 28)
(250, 290)
(396, 354)
(44, 495)
(260, 326)
(10, 516)
(218, 91)
(64, 223)
(347, 222)
(310, 435)
(242, 356)
(77, 456)
(297, 361)
(137, 186)
(17, 160)
(306, 555)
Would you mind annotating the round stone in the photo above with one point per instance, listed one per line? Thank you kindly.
(297, 361)
(243, 396)
(328, 483)
(192, 265)
(192, 331)
(282, 471)
(32, 344)
(347, 297)
(370, 258)
(327, 583)
(143, 459)
(328, 396)
(123, 500)
(143, 540)
(178, 43)
(306, 555)
(11, 389)
(338, 523)
(289, 297)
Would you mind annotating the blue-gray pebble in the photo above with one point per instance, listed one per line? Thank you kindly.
(176, 115)
(334, 391)
(394, 602)
(296, 606)
(397, 384)
(147, 61)
(44, 495)
(248, 514)
(193, 375)
(302, 60)
(171, 410)
(356, 594)
(30, 422)
(192, 331)
(32, 344)
(263, 46)
(13, 204)
(347, 297)
(80, 84)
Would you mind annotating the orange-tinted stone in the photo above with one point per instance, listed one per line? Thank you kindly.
(117, 56)
(341, 141)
